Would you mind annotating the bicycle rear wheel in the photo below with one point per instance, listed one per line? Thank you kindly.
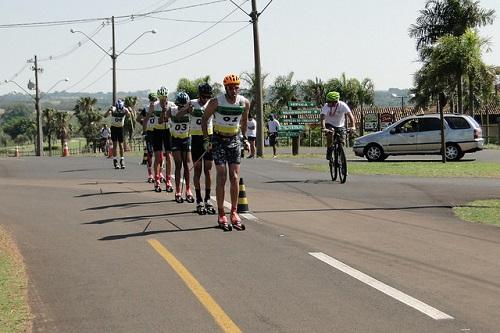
(333, 166)
(342, 165)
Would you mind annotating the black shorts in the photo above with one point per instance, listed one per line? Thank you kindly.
(161, 140)
(116, 134)
(226, 149)
(272, 139)
(197, 149)
(148, 139)
(338, 130)
(252, 138)
(179, 144)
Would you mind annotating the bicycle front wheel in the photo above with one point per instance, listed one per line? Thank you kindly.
(342, 165)
(333, 167)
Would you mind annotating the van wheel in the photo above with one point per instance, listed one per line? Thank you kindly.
(453, 152)
(374, 153)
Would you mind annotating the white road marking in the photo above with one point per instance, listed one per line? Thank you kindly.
(380, 286)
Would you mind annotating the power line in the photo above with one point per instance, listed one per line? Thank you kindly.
(15, 75)
(193, 21)
(98, 79)
(187, 56)
(185, 41)
(88, 73)
(130, 16)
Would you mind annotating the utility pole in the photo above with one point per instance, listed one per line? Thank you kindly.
(258, 81)
(113, 58)
(39, 135)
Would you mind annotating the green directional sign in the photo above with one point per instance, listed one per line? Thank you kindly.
(299, 112)
(288, 134)
(291, 128)
(300, 121)
(300, 104)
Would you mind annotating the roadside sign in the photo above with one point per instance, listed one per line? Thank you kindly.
(300, 120)
(291, 128)
(371, 121)
(307, 111)
(386, 119)
(300, 104)
(288, 134)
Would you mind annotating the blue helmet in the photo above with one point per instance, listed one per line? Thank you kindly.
(120, 104)
(181, 98)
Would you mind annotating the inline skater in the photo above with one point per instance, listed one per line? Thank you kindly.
(147, 132)
(180, 119)
(230, 112)
(202, 159)
(118, 113)
(161, 138)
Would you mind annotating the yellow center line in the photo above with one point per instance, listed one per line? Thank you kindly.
(196, 288)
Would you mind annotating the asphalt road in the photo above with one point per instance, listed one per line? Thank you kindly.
(104, 253)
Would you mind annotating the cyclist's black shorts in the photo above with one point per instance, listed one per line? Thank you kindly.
(339, 130)
(117, 134)
(161, 140)
(197, 149)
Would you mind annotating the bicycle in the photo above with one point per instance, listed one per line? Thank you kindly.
(337, 161)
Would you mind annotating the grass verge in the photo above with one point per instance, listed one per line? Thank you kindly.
(14, 310)
(480, 211)
(419, 169)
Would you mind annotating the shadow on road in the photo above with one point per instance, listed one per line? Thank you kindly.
(125, 204)
(155, 232)
(138, 217)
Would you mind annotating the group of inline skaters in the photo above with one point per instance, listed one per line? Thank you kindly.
(207, 130)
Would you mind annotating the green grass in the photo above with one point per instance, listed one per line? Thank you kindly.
(14, 310)
(419, 169)
(480, 211)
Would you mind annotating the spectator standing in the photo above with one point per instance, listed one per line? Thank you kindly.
(251, 134)
(273, 126)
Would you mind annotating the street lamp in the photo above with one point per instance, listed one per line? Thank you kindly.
(403, 100)
(113, 53)
(36, 98)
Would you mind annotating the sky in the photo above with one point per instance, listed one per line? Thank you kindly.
(314, 39)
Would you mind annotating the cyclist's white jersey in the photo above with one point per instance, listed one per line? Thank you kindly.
(196, 116)
(150, 125)
(117, 117)
(157, 114)
(227, 116)
(179, 127)
(335, 115)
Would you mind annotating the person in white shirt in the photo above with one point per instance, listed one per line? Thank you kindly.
(332, 117)
(273, 126)
(251, 134)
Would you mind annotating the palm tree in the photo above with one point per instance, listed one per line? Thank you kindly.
(282, 91)
(88, 118)
(313, 91)
(250, 81)
(62, 126)
(49, 126)
(442, 17)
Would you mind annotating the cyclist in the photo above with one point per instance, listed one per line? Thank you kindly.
(332, 117)
(230, 111)
(201, 163)
(161, 137)
(147, 132)
(118, 113)
(180, 119)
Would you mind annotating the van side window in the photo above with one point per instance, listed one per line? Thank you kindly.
(429, 124)
(457, 122)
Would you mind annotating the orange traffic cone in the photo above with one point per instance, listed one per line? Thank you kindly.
(242, 199)
(65, 150)
(17, 154)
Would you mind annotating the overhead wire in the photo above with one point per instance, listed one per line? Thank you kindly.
(88, 73)
(187, 56)
(97, 80)
(86, 20)
(187, 40)
(16, 74)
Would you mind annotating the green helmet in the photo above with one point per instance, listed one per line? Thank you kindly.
(152, 97)
(162, 92)
(332, 96)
